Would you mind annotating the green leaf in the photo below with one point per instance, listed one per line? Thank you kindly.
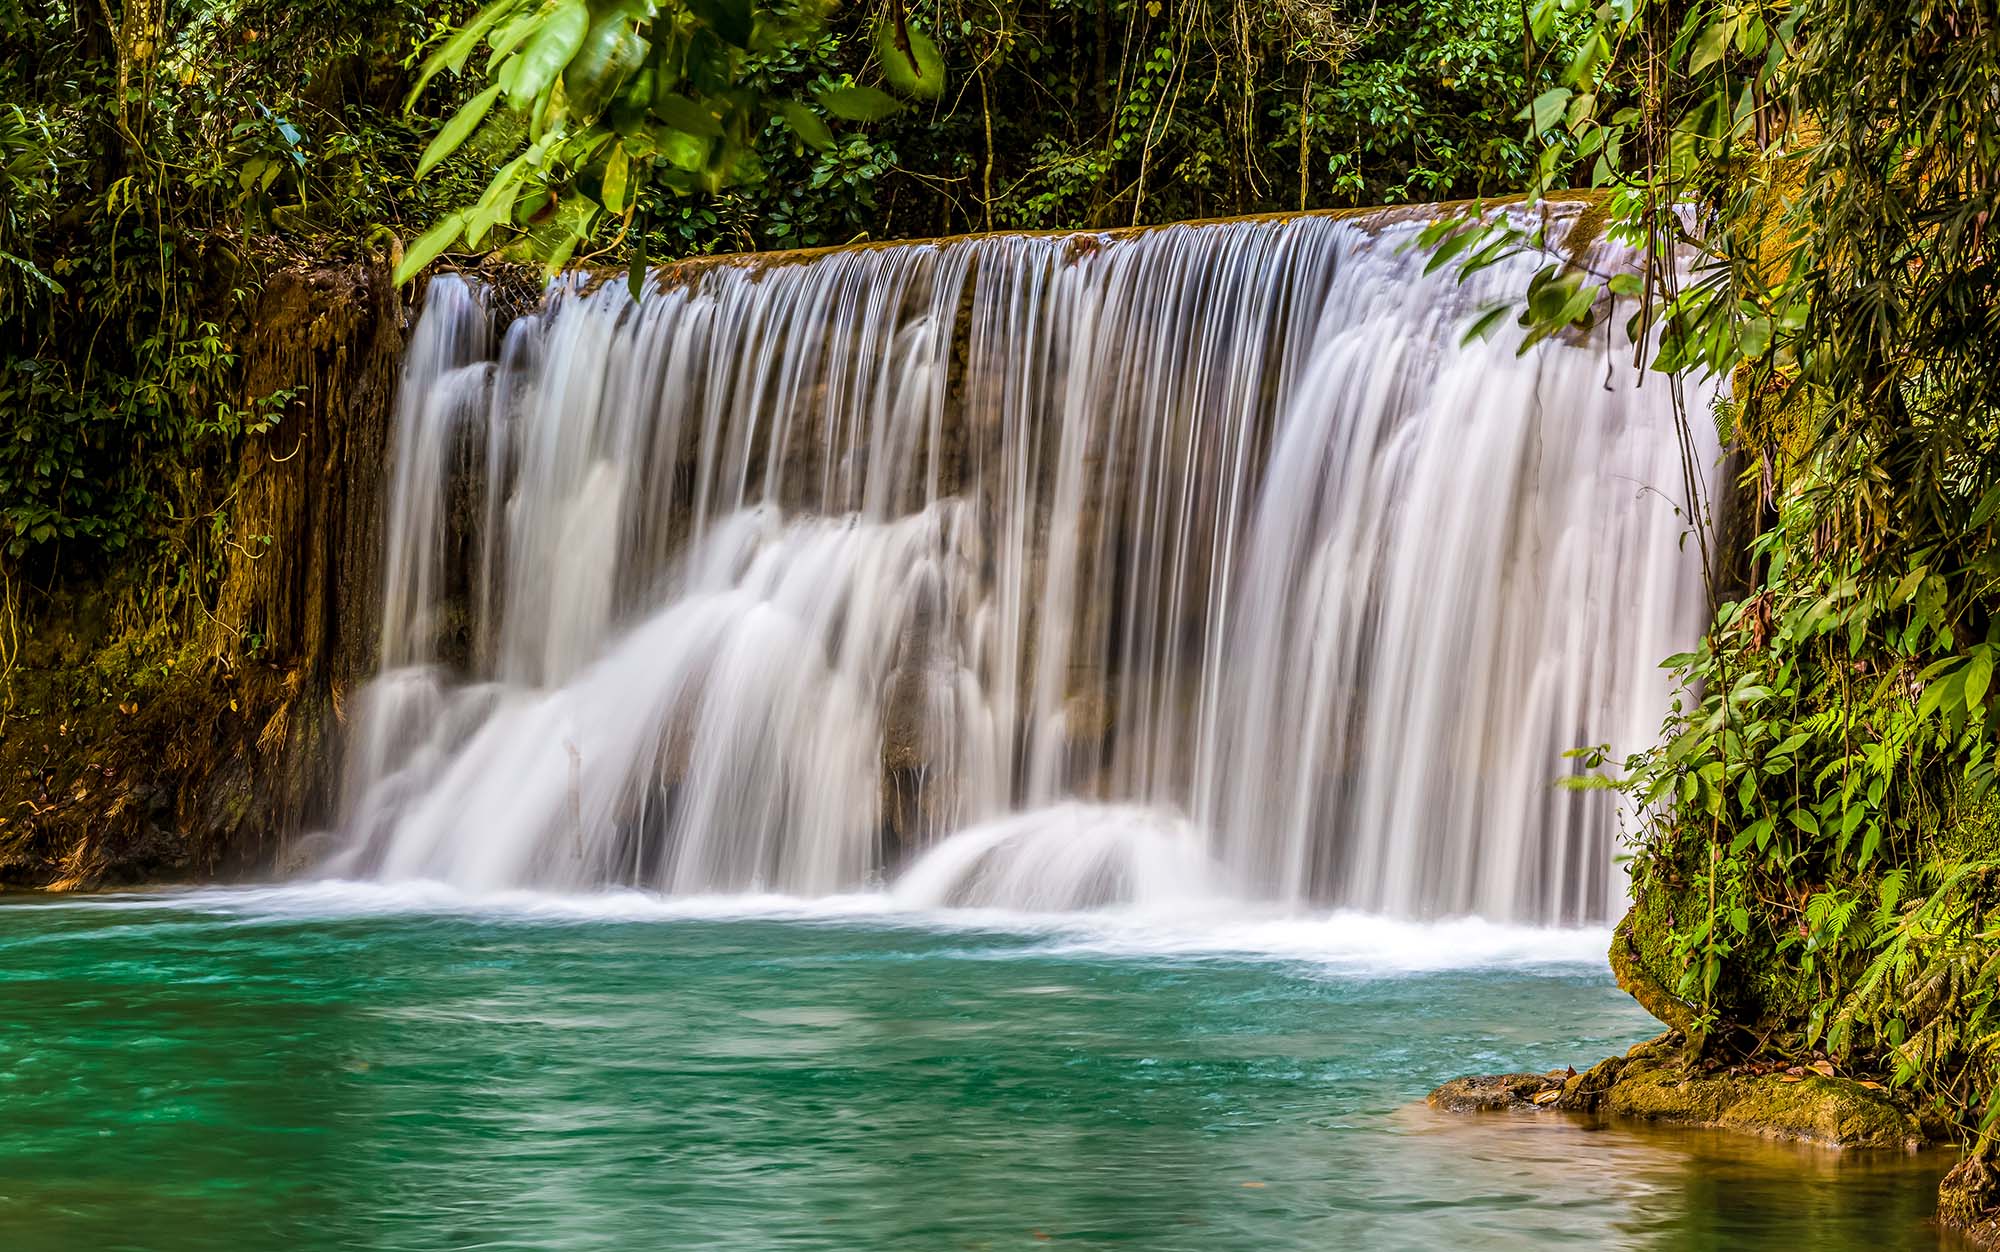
(458, 129)
(496, 204)
(617, 171)
(1978, 676)
(548, 50)
(1938, 691)
(635, 270)
(1987, 508)
(1755, 336)
(859, 104)
(1483, 325)
(563, 251)
(452, 52)
(507, 38)
(916, 70)
(1547, 109)
(1713, 43)
(806, 124)
(1908, 586)
(683, 151)
(1456, 243)
(686, 116)
(428, 245)
(611, 52)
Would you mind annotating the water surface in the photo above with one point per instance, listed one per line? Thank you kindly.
(396, 1068)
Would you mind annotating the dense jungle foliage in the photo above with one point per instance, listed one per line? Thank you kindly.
(1818, 869)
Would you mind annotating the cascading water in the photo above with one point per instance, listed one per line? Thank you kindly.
(1207, 558)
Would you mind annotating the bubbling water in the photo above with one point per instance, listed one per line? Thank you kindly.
(974, 558)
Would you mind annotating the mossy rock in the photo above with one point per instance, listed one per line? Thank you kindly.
(1835, 1112)
(1632, 965)
(1652, 1083)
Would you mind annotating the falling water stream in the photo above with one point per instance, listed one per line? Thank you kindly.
(1024, 570)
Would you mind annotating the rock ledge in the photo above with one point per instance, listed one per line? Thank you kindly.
(1651, 1083)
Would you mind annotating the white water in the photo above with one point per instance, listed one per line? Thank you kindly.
(1205, 563)
(1344, 943)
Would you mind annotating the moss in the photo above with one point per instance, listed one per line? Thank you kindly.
(1589, 226)
(1637, 947)
(1970, 830)
(1653, 1083)
(1836, 1112)
(1969, 1198)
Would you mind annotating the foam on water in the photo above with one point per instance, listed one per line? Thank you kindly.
(1344, 942)
(1066, 858)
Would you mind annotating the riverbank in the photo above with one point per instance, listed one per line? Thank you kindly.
(1806, 1099)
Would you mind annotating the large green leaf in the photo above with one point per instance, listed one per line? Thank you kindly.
(428, 245)
(1978, 676)
(497, 204)
(458, 129)
(451, 54)
(806, 124)
(910, 61)
(1547, 109)
(548, 50)
(1713, 43)
(684, 114)
(611, 51)
(859, 104)
(617, 173)
(635, 274)
(509, 37)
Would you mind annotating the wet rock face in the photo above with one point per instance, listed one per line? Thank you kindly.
(1652, 1083)
(155, 746)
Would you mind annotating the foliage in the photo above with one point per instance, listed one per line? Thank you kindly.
(155, 158)
(1065, 114)
(1811, 181)
(624, 101)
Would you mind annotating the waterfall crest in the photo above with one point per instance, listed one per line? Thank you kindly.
(1207, 556)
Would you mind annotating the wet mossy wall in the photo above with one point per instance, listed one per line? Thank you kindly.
(147, 746)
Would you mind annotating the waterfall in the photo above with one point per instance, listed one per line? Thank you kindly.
(1071, 569)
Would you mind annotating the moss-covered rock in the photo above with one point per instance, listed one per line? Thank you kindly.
(1633, 967)
(1654, 1083)
(1836, 1112)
